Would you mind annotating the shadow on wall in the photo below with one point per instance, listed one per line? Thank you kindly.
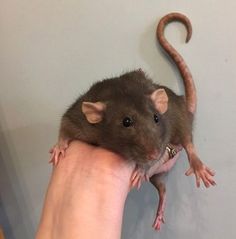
(24, 175)
(14, 216)
(4, 222)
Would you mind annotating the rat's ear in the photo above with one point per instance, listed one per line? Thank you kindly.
(93, 111)
(160, 100)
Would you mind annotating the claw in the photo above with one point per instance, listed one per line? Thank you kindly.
(158, 222)
(138, 177)
(202, 173)
(58, 152)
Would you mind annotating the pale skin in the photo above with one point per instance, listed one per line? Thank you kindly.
(87, 193)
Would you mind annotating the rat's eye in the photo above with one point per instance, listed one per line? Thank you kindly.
(127, 122)
(156, 118)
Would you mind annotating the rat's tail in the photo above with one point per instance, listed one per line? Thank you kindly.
(190, 91)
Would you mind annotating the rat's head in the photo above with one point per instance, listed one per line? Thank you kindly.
(131, 125)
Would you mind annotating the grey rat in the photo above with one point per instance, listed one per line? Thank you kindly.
(119, 114)
(133, 116)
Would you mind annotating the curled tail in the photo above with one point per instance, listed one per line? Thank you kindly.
(190, 91)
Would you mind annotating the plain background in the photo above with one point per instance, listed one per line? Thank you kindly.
(52, 51)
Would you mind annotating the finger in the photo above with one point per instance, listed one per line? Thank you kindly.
(157, 226)
(52, 149)
(56, 159)
(134, 183)
(52, 158)
(205, 181)
(134, 174)
(189, 172)
(198, 180)
(63, 152)
(210, 180)
(210, 171)
(50, 161)
(154, 226)
(139, 183)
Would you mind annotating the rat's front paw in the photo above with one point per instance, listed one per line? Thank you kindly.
(58, 151)
(158, 221)
(202, 172)
(138, 177)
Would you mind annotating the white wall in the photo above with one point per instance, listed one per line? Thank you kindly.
(51, 51)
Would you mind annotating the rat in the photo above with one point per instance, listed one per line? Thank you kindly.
(138, 119)
(122, 114)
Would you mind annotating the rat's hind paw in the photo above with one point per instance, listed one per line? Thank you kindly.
(58, 152)
(158, 221)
